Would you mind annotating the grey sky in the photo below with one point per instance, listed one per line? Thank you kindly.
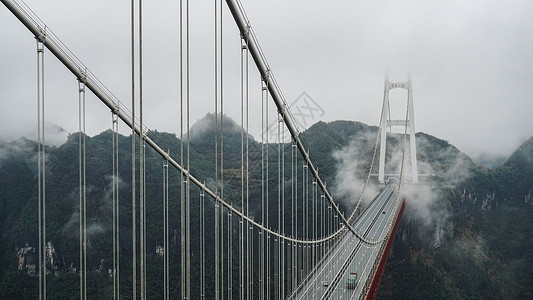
(471, 63)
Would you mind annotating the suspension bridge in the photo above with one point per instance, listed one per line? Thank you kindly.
(268, 228)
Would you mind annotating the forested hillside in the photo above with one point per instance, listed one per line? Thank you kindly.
(465, 233)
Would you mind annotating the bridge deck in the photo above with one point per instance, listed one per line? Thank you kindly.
(372, 223)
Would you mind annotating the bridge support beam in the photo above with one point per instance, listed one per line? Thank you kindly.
(386, 123)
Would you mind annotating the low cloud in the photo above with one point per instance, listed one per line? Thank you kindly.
(95, 226)
(9, 150)
(426, 208)
(352, 169)
(54, 134)
(95, 229)
(439, 164)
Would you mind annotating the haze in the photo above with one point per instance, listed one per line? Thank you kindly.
(470, 63)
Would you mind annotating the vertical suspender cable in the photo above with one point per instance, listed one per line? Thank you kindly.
(322, 201)
(165, 228)
(80, 188)
(141, 164)
(262, 233)
(221, 152)
(307, 221)
(113, 274)
(282, 210)
(202, 245)
(307, 254)
(312, 218)
(216, 58)
(278, 258)
(304, 221)
(39, 177)
(81, 154)
(166, 236)
(294, 181)
(167, 250)
(43, 161)
(278, 240)
(292, 220)
(144, 213)
(249, 237)
(165, 166)
(41, 168)
(241, 221)
(182, 192)
(265, 86)
(83, 189)
(187, 195)
(314, 221)
(133, 201)
(244, 179)
(319, 223)
(184, 183)
(230, 250)
(83, 184)
(116, 241)
(329, 225)
(84, 205)
(117, 210)
(251, 264)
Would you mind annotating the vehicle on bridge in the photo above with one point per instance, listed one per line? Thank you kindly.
(352, 281)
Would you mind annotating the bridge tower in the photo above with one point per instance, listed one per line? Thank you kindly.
(386, 123)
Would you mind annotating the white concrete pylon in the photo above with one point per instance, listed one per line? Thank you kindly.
(386, 123)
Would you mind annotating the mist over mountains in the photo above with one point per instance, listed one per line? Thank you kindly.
(465, 233)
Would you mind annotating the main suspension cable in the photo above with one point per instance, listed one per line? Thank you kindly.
(103, 94)
(369, 169)
(133, 130)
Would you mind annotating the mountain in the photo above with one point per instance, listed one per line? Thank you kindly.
(465, 232)
(478, 244)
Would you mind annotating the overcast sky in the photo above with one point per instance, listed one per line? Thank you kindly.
(471, 63)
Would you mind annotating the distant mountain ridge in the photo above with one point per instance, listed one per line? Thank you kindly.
(449, 244)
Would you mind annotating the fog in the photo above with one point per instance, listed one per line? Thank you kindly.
(470, 63)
